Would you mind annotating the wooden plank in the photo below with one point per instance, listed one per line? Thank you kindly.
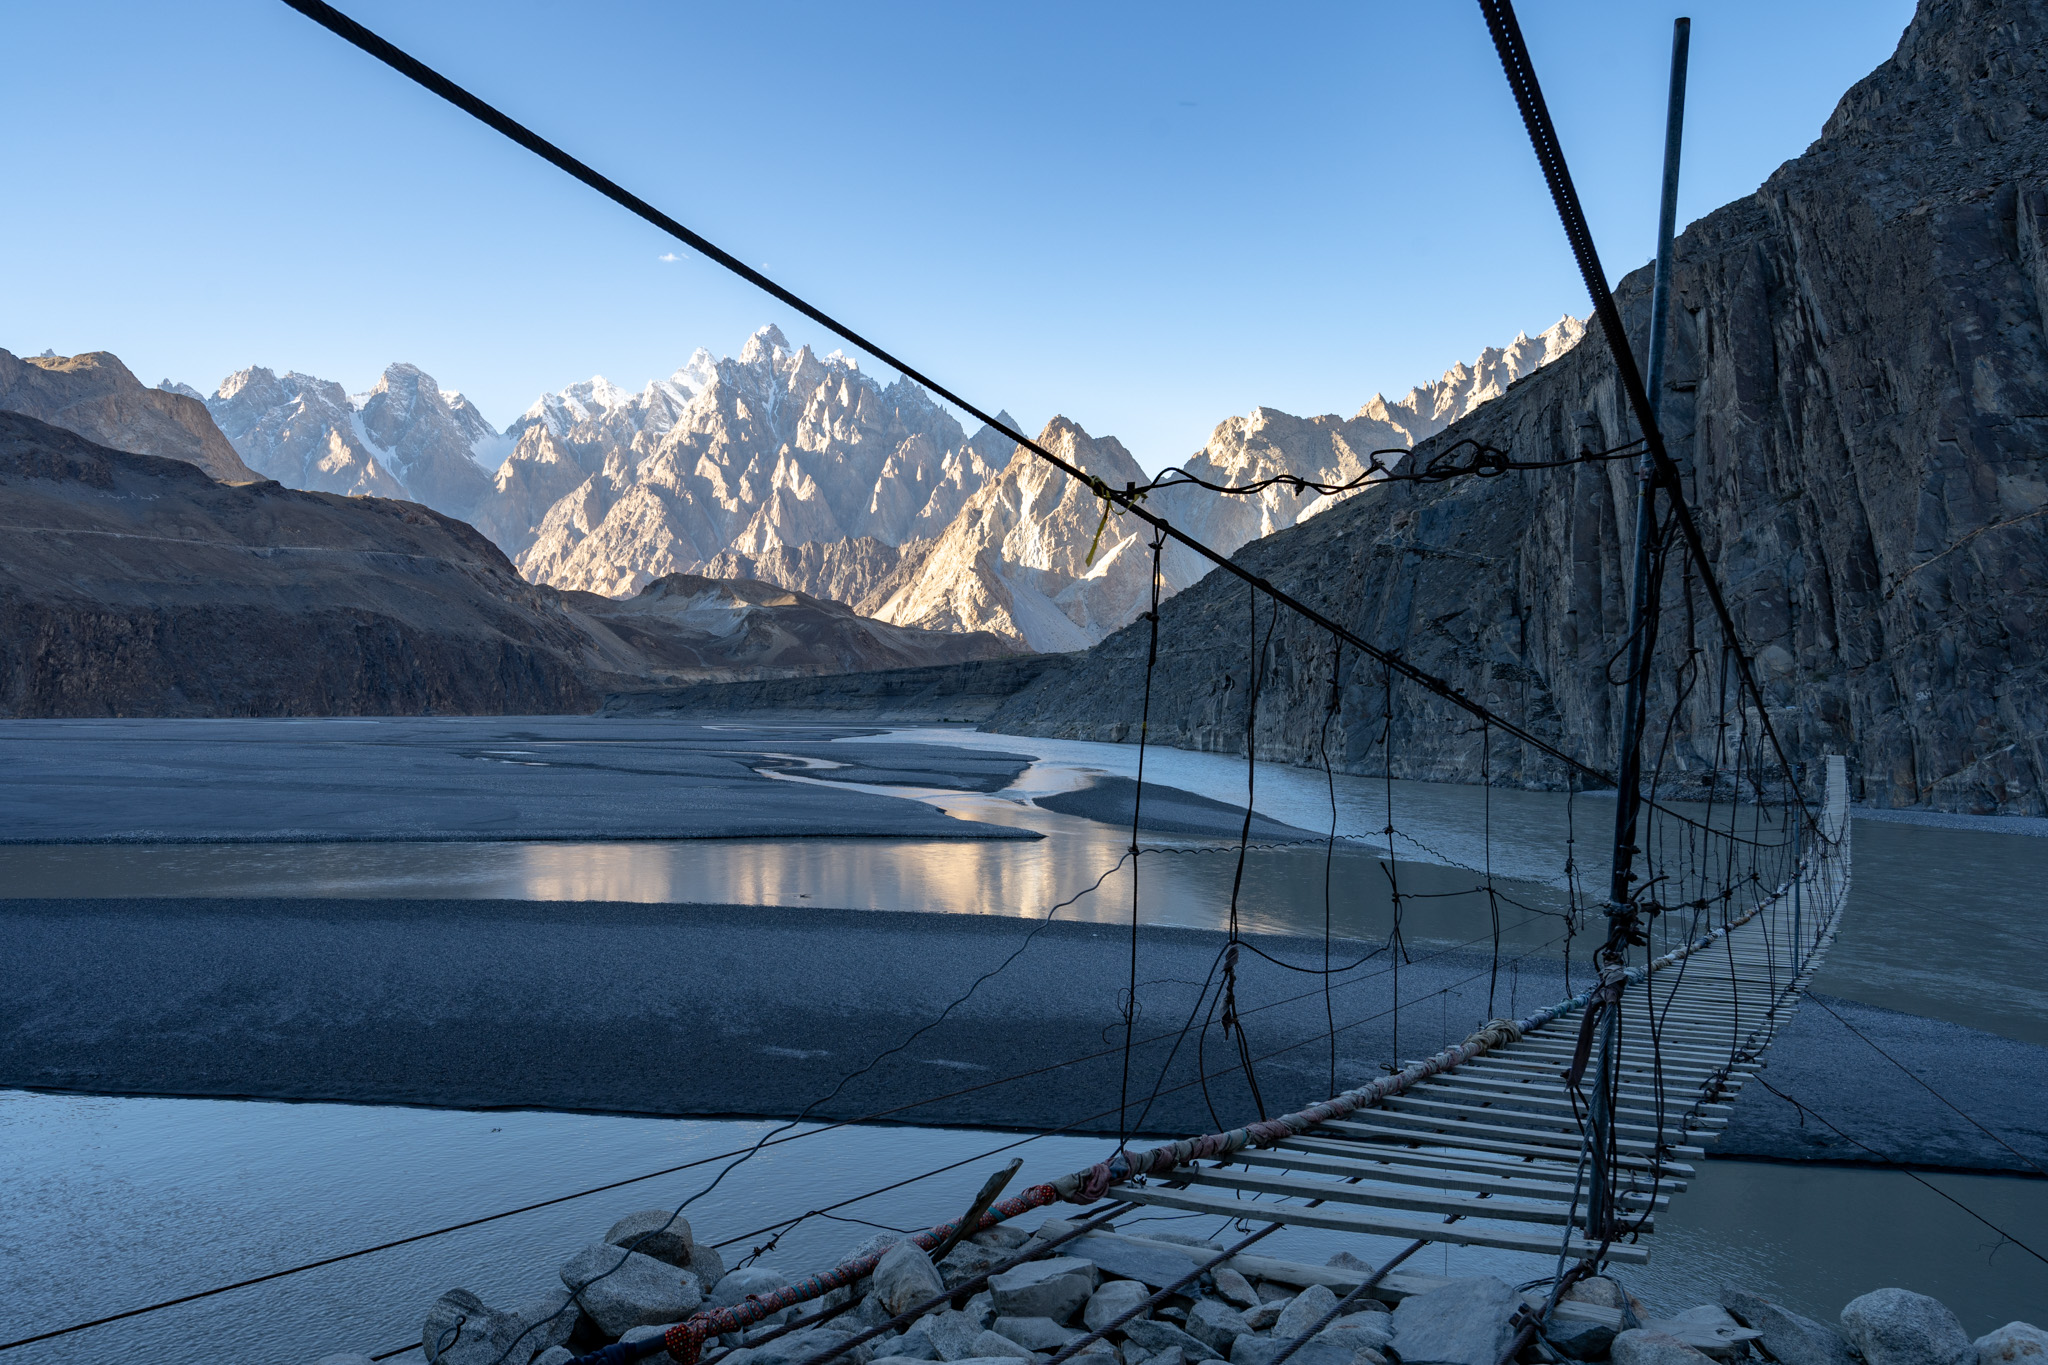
(1557, 1110)
(1510, 1210)
(1552, 1092)
(1454, 1132)
(1497, 1146)
(1420, 1102)
(1463, 1233)
(1505, 1178)
(1410, 1150)
(1506, 1069)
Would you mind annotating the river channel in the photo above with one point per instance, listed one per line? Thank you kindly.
(109, 1203)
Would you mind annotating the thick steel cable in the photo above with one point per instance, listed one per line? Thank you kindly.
(347, 29)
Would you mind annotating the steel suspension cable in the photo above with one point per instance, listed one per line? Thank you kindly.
(347, 29)
(1528, 92)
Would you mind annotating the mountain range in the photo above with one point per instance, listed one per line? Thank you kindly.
(801, 470)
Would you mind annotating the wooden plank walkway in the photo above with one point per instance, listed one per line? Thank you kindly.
(1491, 1153)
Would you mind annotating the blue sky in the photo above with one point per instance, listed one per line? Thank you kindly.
(1147, 217)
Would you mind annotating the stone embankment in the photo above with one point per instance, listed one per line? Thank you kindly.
(1245, 1311)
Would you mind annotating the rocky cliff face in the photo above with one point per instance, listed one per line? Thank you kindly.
(1857, 384)
(300, 431)
(772, 450)
(95, 396)
(404, 438)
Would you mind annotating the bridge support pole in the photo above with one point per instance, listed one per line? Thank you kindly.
(1621, 906)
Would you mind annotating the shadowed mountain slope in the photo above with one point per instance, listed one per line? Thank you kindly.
(1858, 389)
(95, 395)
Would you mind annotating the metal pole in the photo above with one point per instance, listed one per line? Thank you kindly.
(1628, 802)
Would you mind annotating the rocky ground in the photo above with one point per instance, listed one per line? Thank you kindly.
(1161, 1299)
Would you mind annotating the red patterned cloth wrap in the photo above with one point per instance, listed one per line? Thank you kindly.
(685, 1340)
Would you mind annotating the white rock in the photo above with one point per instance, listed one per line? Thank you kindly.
(1111, 1301)
(1236, 1290)
(1151, 1335)
(461, 1330)
(951, 1334)
(622, 1289)
(801, 1346)
(1304, 1311)
(1035, 1334)
(1054, 1288)
(994, 1345)
(915, 1343)
(1466, 1322)
(2016, 1343)
(1215, 1325)
(905, 1278)
(1899, 1327)
(659, 1233)
(1640, 1347)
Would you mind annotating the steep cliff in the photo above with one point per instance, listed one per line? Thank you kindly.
(1858, 385)
(95, 395)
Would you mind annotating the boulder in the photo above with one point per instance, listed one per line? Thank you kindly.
(1581, 1331)
(1216, 1324)
(737, 1286)
(1466, 1322)
(661, 1233)
(1110, 1302)
(555, 1355)
(1236, 1290)
(1001, 1237)
(1053, 1288)
(1899, 1327)
(966, 1261)
(951, 1334)
(1789, 1338)
(1361, 1332)
(620, 1289)
(1266, 1314)
(1132, 1259)
(1640, 1346)
(1709, 1329)
(1323, 1349)
(1152, 1336)
(1305, 1310)
(1035, 1334)
(2016, 1343)
(915, 1344)
(905, 1278)
(801, 1346)
(1170, 1356)
(462, 1330)
(991, 1345)
(1604, 1291)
